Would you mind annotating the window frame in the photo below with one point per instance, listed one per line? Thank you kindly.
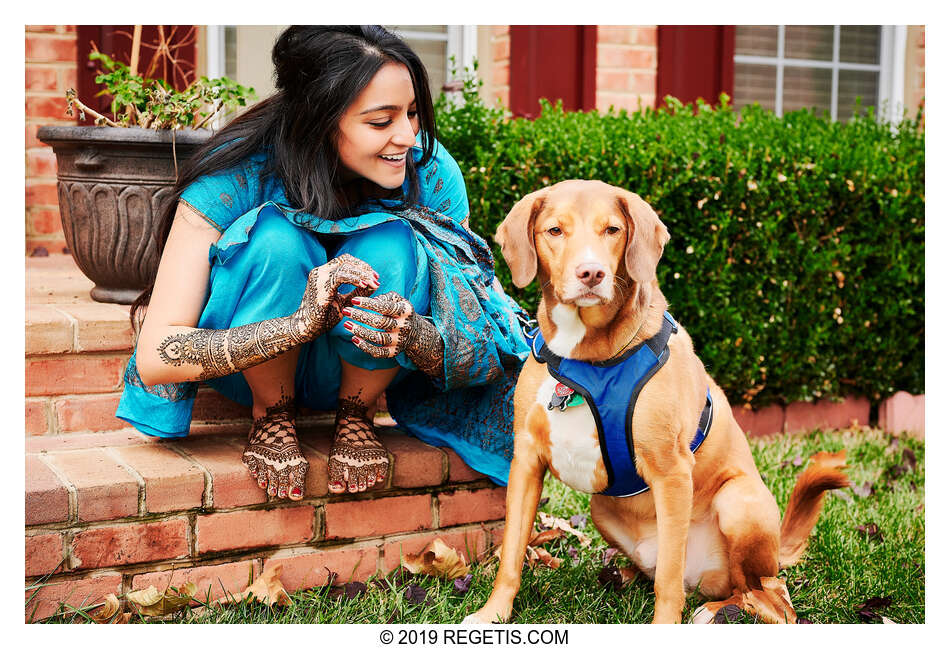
(890, 69)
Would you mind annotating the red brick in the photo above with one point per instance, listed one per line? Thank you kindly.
(41, 162)
(45, 221)
(44, 552)
(67, 29)
(37, 416)
(464, 507)
(47, 330)
(621, 34)
(75, 441)
(104, 490)
(79, 374)
(213, 582)
(471, 543)
(43, 48)
(47, 499)
(135, 543)
(171, 481)
(356, 518)
(458, 470)
(76, 593)
(414, 463)
(620, 56)
(644, 82)
(613, 80)
(231, 484)
(87, 413)
(500, 75)
(38, 78)
(46, 107)
(211, 405)
(803, 416)
(41, 193)
(501, 49)
(54, 246)
(307, 568)
(69, 79)
(41, 28)
(249, 529)
(622, 101)
(499, 30)
(903, 412)
(100, 327)
(756, 423)
(645, 35)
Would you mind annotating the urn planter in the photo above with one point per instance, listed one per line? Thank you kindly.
(114, 184)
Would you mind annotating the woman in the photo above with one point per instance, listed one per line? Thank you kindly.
(318, 254)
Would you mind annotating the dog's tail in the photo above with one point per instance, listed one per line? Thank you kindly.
(823, 473)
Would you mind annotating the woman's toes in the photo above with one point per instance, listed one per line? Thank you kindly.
(272, 483)
(283, 486)
(251, 463)
(336, 487)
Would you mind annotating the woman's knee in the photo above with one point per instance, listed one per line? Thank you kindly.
(275, 245)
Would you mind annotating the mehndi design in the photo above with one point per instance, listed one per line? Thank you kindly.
(273, 456)
(357, 459)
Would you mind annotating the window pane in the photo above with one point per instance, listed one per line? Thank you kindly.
(757, 40)
(853, 84)
(435, 29)
(754, 83)
(860, 43)
(434, 53)
(812, 42)
(806, 88)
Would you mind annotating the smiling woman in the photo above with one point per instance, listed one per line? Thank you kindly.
(318, 254)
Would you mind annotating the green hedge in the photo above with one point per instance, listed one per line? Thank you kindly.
(796, 258)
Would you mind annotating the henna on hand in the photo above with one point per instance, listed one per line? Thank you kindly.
(219, 352)
(402, 330)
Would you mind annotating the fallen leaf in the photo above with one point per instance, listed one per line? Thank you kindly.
(867, 610)
(609, 554)
(910, 459)
(546, 536)
(897, 470)
(354, 589)
(153, 603)
(887, 620)
(727, 614)
(579, 521)
(415, 593)
(802, 620)
(108, 610)
(872, 531)
(572, 552)
(552, 521)
(266, 589)
(436, 559)
(545, 557)
(461, 584)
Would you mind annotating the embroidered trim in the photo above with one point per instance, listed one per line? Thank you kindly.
(168, 391)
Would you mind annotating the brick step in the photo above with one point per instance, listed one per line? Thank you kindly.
(142, 510)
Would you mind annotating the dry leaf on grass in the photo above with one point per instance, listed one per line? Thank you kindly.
(266, 589)
(154, 603)
(108, 609)
(545, 557)
(437, 559)
(552, 521)
(546, 536)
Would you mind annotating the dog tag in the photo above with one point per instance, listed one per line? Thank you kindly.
(562, 395)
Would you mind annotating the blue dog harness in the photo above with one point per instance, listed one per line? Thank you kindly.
(601, 383)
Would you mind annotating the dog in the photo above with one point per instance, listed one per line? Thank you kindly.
(706, 518)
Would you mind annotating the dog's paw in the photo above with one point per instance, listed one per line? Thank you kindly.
(702, 615)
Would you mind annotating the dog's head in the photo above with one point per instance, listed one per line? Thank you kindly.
(584, 234)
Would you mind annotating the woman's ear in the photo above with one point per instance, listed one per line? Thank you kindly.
(515, 235)
(646, 237)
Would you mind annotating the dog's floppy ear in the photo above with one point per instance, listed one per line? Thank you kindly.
(515, 235)
(645, 240)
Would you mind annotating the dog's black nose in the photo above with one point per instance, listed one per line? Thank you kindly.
(590, 274)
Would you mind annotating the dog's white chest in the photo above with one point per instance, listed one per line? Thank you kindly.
(575, 446)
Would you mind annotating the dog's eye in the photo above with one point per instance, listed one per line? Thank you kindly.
(612, 230)
(555, 231)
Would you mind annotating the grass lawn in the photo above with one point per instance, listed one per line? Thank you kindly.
(843, 567)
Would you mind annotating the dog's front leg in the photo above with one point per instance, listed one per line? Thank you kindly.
(673, 498)
(525, 481)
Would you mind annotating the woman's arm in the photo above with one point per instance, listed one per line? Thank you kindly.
(172, 350)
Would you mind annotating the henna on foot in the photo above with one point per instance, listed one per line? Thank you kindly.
(357, 459)
(273, 456)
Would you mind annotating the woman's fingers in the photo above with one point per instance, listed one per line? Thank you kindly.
(374, 350)
(389, 304)
(371, 318)
(380, 338)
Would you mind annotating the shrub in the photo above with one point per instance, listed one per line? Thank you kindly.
(796, 258)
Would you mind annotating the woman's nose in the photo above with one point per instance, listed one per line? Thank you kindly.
(405, 135)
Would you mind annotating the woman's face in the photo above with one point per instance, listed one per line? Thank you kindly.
(378, 128)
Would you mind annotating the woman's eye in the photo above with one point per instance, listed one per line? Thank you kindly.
(381, 124)
(555, 231)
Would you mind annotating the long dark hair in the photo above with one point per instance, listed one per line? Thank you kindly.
(319, 70)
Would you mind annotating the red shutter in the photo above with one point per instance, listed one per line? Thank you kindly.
(554, 62)
(116, 41)
(695, 61)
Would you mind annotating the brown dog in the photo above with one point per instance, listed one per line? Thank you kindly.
(707, 519)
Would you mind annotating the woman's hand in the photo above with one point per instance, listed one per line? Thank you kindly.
(322, 306)
(400, 329)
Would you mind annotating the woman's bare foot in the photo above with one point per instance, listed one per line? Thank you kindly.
(357, 459)
(272, 454)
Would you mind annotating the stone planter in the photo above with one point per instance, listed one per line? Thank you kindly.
(114, 185)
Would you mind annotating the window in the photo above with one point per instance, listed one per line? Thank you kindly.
(435, 45)
(788, 67)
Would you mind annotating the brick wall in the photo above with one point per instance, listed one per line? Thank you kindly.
(500, 58)
(50, 69)
(914, 69)
(626, 66)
